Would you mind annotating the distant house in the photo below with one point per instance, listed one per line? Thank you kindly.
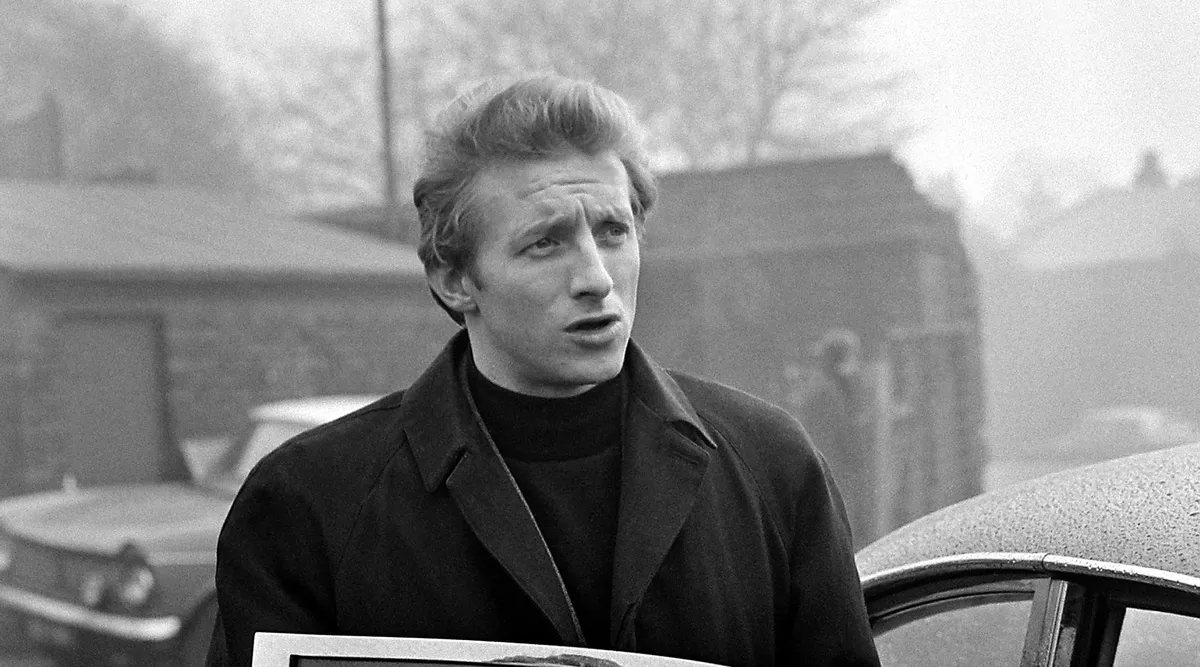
(793, 249)
(1101, 309)
(133, 316)
(746, 269)
(1150, 221)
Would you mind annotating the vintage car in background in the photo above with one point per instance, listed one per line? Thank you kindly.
(1096, 566)
(123, 575)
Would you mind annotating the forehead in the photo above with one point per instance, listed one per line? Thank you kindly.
(573, 181)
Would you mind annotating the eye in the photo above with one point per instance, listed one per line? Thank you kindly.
(613, 232)
(542, 246)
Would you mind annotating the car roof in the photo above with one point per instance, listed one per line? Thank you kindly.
(1139, 510)
(312, 410)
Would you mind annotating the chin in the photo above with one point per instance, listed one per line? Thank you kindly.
(606, 370)
(595, 371)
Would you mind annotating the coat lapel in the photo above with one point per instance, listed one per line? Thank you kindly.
(495, 510)
(661, 477)
(451, 448)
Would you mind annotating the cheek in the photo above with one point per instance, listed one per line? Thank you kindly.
(628, 272)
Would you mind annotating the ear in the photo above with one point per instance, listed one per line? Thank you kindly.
(454, 287)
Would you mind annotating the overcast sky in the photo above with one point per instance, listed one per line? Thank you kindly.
(1093, 82)
(1090, 83)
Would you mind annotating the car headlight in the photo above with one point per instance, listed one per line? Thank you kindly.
(133, 585)
(92, 588)
(6, 551)
(125, 584)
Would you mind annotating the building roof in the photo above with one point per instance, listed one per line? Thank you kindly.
(786, 203)
(139, 230)
(1118, 225)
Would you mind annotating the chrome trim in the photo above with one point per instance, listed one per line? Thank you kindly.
(1044, 637)
(957, 564)
(1041, 563)
(146, 629)
(176, 558)
(1136, 573)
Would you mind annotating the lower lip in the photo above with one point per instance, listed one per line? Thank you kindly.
(601, 337)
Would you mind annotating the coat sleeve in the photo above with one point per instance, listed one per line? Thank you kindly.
(272, 572)
(828, 616)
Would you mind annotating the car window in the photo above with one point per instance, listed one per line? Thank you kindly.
(265, 437)
(1153, 638)
(972, 631)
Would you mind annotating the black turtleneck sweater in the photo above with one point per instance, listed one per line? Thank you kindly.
(565, 455)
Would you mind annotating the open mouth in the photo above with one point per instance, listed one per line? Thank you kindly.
(592, 324)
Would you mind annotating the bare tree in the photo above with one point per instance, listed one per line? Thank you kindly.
(310, 120)
(132, 101)
(718, 81)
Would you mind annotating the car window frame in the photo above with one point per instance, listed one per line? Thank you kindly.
(1078, 604)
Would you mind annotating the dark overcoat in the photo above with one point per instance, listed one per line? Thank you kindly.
(402, 519)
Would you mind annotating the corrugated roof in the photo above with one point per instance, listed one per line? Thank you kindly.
(142, 230)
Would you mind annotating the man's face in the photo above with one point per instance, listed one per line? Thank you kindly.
(553, 288)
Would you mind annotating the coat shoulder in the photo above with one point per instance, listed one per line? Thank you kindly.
(348, 447)
(757, 430)
(329, 470)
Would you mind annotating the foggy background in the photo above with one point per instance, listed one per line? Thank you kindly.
(1031, 122)
(1054, 140)
(1060, 135)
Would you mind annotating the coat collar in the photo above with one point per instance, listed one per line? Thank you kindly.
(665, 454)
(441, 422)
(453, 450)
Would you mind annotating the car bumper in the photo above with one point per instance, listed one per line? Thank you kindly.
(151, 629)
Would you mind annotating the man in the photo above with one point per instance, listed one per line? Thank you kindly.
(544, 481)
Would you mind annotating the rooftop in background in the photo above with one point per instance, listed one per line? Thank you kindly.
(139, 230)
(1147, 221)
(845, 198)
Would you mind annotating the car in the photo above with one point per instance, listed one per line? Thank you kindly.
(1097, 565)
(123, 574)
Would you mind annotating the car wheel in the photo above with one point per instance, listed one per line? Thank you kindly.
(193, 649)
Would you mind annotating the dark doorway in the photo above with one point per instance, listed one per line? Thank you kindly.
(115, 431)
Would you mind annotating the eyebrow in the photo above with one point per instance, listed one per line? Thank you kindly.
(592, 212)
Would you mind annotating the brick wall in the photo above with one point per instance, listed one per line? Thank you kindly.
(741, 317)
(228, 348)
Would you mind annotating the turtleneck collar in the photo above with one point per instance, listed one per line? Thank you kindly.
(535, 428)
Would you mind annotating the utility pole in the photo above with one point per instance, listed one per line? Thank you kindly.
(391, 205)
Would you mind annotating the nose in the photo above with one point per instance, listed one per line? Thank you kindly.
(590, 276)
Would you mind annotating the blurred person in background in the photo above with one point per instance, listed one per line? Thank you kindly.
(544, 480)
